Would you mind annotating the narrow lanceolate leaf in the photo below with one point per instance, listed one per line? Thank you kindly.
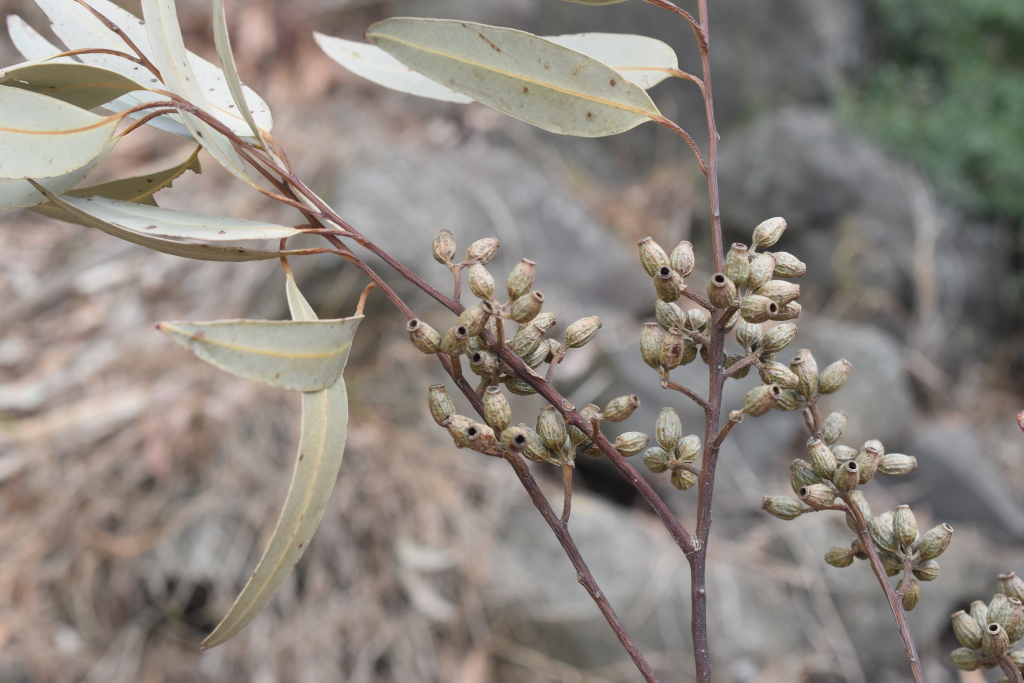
(520, 74)
(642, 60)
(227, 65)
(303, 356)
(22, 193)
(201, 252)
(30, 43)
(171, 60)
(377, 66)
(78, 28)
(41, 137)
(82, 85)
(322, 444)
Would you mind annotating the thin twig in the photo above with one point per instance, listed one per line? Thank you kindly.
(697, 298)
(674, 127)
(688, 77)
(735, 417)
(750, 359)
(697, 398)
(698, 30)
(567, 469)
(1010, 669)
(143, 60)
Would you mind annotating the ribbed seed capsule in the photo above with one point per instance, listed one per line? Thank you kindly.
(669, 315)
(588, 412)
(582, 331)
(737, 264)
(631, 443)
(721, 291)
(783, 507)
(846, 476)
(967, 659)
(768, 232)
(618, 409)
(455, 341)
(858, 550)
(484, 363)
(669, 429)
(913, 594)
(892, 564)
(927, 570)
(517, 386)
(444, 247)
(897, 464)
(844, 452)
(730, 323)
(731, 360)
(650, 344)
(762, 268)
(522, 439)
(935, 542)
(778, 338)
(868, 460)
(482, 250)
(790, 311)
(777, 373)
(823, 461)
(967, 630)
(668, 284)
(652, 256)
(526, 339)
(806, 369)
(497, 411)
(457, 426)
(544, 321)
(748, 334)
(788, 401)
(423, 336)
(758, 309)
(881, 531)
(439, 402)
(475, 317)
(780, 291)
(657, 459)
(681, 258)
(526, 307)
(538, 355)
(833, 425)
(688, 448)
(673, 349)
(1017, 657)
(998, 609)
(838, 556)
(979, 612)
(1012, 619)
(760, 400)
(994, 640)
(520, 280)
(481, 283)
(684, 480)
(551, 429)
(818, 496)
(834, 376)
(904, 526)
(1010, 585)
(787, 265)
(801, 474)
(696, 321)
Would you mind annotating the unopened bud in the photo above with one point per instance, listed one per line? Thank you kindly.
(1010, 585)
(806, 369)
(838, 556)
(967, 630)
(423, 336)
(846, 476)
(582, 331)
(927, 570)
(551, 429)
(721, 291)
(788, 401)
(650, 344)
(440, 402)
(497, 411)
(904, 526)
(520, 280)
(526, 307)
(482, 250)
(668, 284)
(652, 256)
(833, 425)
(748, 334)
(760, 400)
(790, 311)
(480, 281)
(669, 315)
(455, 341)
(913, 594)
(517, 386)
(631, 443)
(768, 232)
(669, 429)
(823, 460)
(762, 268)
(444, 247)
(475, 317)
(979, 612)
(994, 640)
(737, 264)
(967, 659)
(935, 542)
(783, 507)
(869, 458)
(801, 474)
(834, 376)
(777, 373)
(758, 309)
(818, 496)
(484, 363)
(882, 533)
(787, 265)
(897, 464)
(778, 338)
(684, 480)
(618, 409)
(657, 459)
(780, 291)
(688, 448)
(681, 258)
(674, 347)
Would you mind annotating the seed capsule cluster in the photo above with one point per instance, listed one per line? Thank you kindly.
(674, 452)
(988, 631)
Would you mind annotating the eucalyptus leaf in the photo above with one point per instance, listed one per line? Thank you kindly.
(201, 252)
(321, 446)
(230, 71)
(18, 192)
(520, 74)
(30, 43)
(643, 61)
(41, 137)
(82, 85)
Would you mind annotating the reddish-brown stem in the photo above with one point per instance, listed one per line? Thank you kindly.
(735, 417)
(688, 77)
(142, 59)
(567, 469)
(101, 51)
(686, 391)
(675, 128)
(697, 298)
(699, 30)
(740, 364)
(1010, 669)
(457, 276)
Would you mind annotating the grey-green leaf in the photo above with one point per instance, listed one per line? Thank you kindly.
(18, 192)
(520, 74)
(82, 85)
(297, 304)
(140, 188)
(230, 71)
(41, 137)
(642, 60)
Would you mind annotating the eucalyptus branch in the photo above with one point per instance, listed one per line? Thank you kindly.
(686, 391)
(142, 59)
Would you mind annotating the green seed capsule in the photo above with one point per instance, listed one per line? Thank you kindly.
(651, 338)
(892, 564)
(526, 339)
(748, 334)
(669, 429)
(1010, 585)
(801, 475)
(730, 323)
(517, 386)
(967, 659)
(731, 360)
(481, 283)
(838, 556)
(497, 411)
(674, 348)
(475, 317)
(697, 321)
(458, 426)
(904, 526)
(935, 542)
(484, 363)
(631, 443)
(881, 530)
(823, 461)
(760, 400)
(913, 594)
(440, 403)
(688, 448)
(994, 640)
(790, 311)
(844, 452)
(1012, 619)
(1017, 657)
(868, 459)
(778, 338)
(522, 439)
(979, 612)
(551, 429)
(444, 247)
(858, 499)
(758, 309)
(806, 369)
(817, 496)
(538, 355)
(833, 425)
(897, 464)
(967, 630)
(737, 264)
(520, 280)
(783, 507)
(768, 232)
(423, 336)
(834, 376)
(762, 267)
(684, 480)
(788, 401)
(526, 307)
(668, 284)
(846, 476)
(927, 570)
(652, 256)
(455, 341)
(779, 291)
(721, 291)
(482, 250)
(582, 331)
(681, 258)
(669, 315)
(787, 265)
(777, 373)
(657, 459)
(618, 409)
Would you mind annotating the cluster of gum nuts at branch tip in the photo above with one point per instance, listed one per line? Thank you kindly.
(553, 441)
(989, 631)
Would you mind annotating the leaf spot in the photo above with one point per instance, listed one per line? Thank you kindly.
(613, 83)
(590, 115)
(526, 90)
(223, 232)
(150, 227)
